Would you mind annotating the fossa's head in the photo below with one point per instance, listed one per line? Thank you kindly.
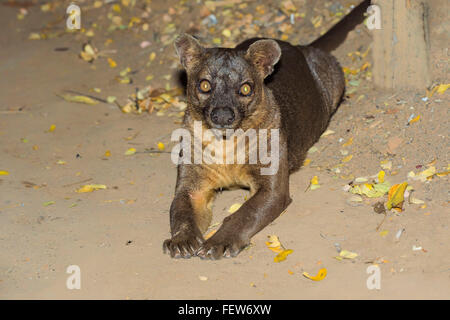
(225, 86)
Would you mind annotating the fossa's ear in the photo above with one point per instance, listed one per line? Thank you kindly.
(264, 54)
(189, 50)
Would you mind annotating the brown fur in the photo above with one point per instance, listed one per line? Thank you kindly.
(294, 89)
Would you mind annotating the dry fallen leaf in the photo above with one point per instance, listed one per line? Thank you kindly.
(347, 254)
(442, 88)
(381, 175)
(91, 187)
(384, 233)
(413, 200)
(88, 53)
(349, 142)
(396, 196)
(274, 244)
(347, 158)
(210, 234)
(370, 190)
(424, 175)
(414, 119)
(161, 146)
(320, 275)
(78, 99)
(282, 255)
(52, 128)
(327, 133)
(130, 152)
(48, 203)
(234, 207)
(314, 183)
(112, 63)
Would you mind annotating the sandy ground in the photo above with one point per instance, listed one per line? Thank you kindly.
(115, 235)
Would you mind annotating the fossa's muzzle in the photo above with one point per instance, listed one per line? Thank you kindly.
(222, 117)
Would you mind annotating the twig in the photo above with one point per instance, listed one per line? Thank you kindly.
(382, 221)
(75, 183)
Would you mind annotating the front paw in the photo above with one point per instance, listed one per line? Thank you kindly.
(183, 244)
(218, 246)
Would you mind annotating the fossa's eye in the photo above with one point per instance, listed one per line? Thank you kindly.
(245, 90)
(205, 86)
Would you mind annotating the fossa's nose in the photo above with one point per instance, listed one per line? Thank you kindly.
(222, 116)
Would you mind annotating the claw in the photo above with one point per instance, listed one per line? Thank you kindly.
(182, 245)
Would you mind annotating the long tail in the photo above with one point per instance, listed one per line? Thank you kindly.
(337, 34)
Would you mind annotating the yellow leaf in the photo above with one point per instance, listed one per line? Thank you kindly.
(4, 173)
(381, 175)
(112, 63)
(128, 107)
(210, 234)
(282, 255)
(365, 66)
(130, 152)
(226, 33)
(234, 207)
(45, 7)
(117, 8)
(152, 56)
(442, 88)
(384, 233)
(415, 119)
(79, 99)
(395, 196)
(274, 244)
(91, 187)
(161, 146)
(424, 175)
(52, 128)
(370, 190)
(428, 172)
(107, 153)
(347, 158)
(306, 162)
(347, 254)
(314, 183)
(442, 174)
(415, 201)
(327, 133)
(34, 36)
(89, 53)
(320, 275)
(349, 142)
